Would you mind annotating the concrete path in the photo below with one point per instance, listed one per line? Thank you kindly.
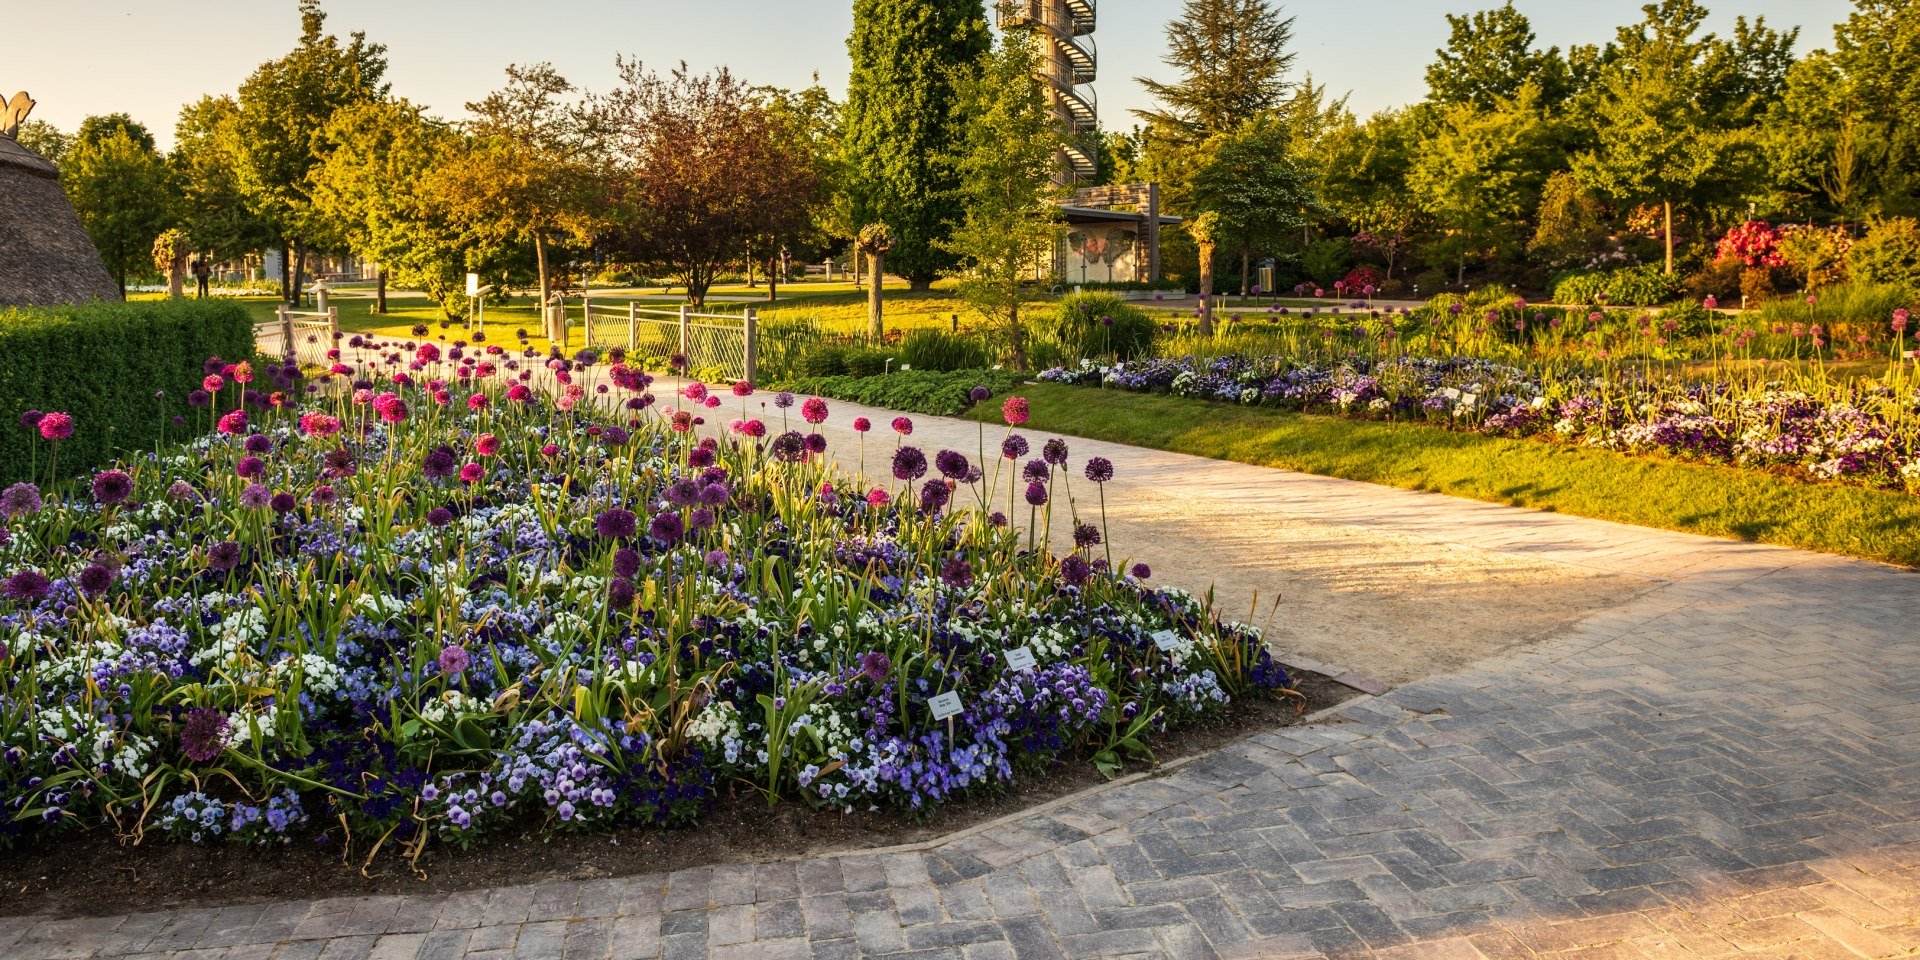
(1724, 761)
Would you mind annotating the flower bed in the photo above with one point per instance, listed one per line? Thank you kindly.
(1855, 432)
(453, 607)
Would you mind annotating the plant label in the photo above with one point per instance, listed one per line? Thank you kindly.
(945, 705)
(1020, 658)
(1539, 402)
(1166, 639)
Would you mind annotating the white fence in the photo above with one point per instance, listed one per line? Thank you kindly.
(302, 336)
(726, 343)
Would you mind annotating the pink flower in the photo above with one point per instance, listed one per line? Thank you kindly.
(711, 402)
(878, 498)
(862, 424)
(550, 451)
(754, 428)
(903, 426)
(742, 388)
(814, 410)
(471, 473)
(212, 383)
(242, 372)
(426, 353)
(232, 424)
(1014, 411)
(695, 390)
(477, 402)
(59, 426)
(486, 444)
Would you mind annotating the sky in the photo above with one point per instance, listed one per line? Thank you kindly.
(81, 57)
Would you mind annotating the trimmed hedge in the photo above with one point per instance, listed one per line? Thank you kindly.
(912, 391)
(104, 364)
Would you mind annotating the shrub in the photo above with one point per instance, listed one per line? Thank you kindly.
(1101, 325)
(868, 362)
(913, 391)
(1753, 243)
(823, 360)
(1361, 281)
(1690, 318)
(1816, 255)
(1889, 253)
(1641, 286)
(929, 349)
(1326, 260)
(1719, 279)
(108, 365)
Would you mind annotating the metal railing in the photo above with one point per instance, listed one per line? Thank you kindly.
(304, 336)
(727, 344)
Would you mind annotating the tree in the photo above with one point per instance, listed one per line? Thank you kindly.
(874, 242)
(1010, 228)
(123, 193)
(1870, 50)
(283, 106)
(900, 133)
(1481, 173)
(170, 250)
(530, 171)
(44, 139)
(1205, 230)
(1260, 192)
(700, 168)
(1571, 223)
(802, 223)
(379, 188)
(1660, 118)
(1363, 179)
(215, 212)
(1489, 56)
(1233, 59)
(105, 126)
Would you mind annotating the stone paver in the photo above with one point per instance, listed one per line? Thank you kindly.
(1728, 763)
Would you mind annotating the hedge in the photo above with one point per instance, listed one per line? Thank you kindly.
(121, 370)
(911, 391)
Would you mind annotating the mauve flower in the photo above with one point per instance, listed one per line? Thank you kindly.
(340, 463)
(952, 464)
(814, 410)
(979, 394)
(204, 735)
(1014, 447)
(957, 573)
(59, 426)
(700, 518)
(27, 586)
(700, 458)
(903, 426)
(783, 399)
(439, 517)
(1099, 469)
(1054, 451)
(454, 660)
(615, 523)
(20, 500)
(715, 494)
(742, 388)
(716, 558)
(666, 527)
(181, 491)
(199, 398)
(256, 497)
(1014, 411)
(324, 495)
(1074, 571)
(875, 665)
(1036, 494)
(250, 467)
(94, 580)
(862, 424)
(909, 464)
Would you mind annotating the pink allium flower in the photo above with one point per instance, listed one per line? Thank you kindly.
(814, 410)
(477, 401)
(742, 388)
(862, 424)
(695, 390)
(212, 383)
(242, 372)
(550, 451)
(711, 402)
(59, 426)
(903, 426)
(1014, 411)
(755, 429)
(471, 473)
(232, 424)
(486, 444)
(878, 498)
(426, 353)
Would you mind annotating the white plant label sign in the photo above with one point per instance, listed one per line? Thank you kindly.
(1020, 658)
(1166, 639)
(945, 705)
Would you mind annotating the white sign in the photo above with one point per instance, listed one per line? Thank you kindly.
(1166, 639)
(1020, 658)
(473, 284)
(945, 705)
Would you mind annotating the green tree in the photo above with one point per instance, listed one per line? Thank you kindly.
(1233, 60)
(1489, 56)
(1662, 120)
(1872, 49)
(218, 216)
(1363, 180)
(105, 126)
(1260, 193)
(900, 133)
(1010, 228)
(807, 224)
(283, 107)
(123, 192)
(44, 139)
(1825, 150)
(1480, 175)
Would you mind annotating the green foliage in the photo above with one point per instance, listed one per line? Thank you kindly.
(123, 192)
(1327, 260)
(1101, 325)
(1690, 317)
(1261, 192)
(104, 364)
(1843, 311)
(1233, 60)
(914, 391)
(901, 122)
(931, 349)
(1489, 57)
(1642, 286)
(1888, 254)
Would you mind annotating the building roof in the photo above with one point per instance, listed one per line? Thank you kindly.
(1074, 214)
(46, 257)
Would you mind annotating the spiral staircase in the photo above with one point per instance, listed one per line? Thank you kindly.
(1068, 62)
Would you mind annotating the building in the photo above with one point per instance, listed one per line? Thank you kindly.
(46, 257)
(1113, 232)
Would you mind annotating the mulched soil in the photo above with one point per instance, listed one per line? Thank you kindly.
(96, 874)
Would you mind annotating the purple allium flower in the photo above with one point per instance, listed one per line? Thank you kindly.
(1141, 571)
(20, 500)
(620, 594)
(626, 563)
(700, 458)
(1014, 447)
(1074, 571)
(1036, 471)
(30, 419)
(714, 494)
(875, 665)
(250, 467)
(256, 497)
(909, 464)
(957, 573)
(716, 558)
(934, 495)
(997, 518)
(439, 517)
(683, 492)
(454, 660)
(27, 586)
(1086, 535)
(789, 447)
(816, 444)
(257, 443)
(1099, 469)
(340, 463)
(1054, 451)
(979, 395)
(700, 518)
(94, 580)
(615, 523)
(666, 527)
(204, 735)
(324, 495)
(223, 556)
(111, 487)
(440, 463)
(952, 464)
(783, 399)
(1036, 494)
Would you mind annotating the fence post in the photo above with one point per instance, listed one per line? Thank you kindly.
(586, 319)
(752, 345)
(633, 325)
(686, 333)
(286, 329)
(333, 326)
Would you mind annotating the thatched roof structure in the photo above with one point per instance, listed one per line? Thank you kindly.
(46, 257)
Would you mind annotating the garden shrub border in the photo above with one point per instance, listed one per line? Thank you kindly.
(116, 368)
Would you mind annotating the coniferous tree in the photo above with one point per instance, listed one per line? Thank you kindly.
(1233, 59)
(900, 131)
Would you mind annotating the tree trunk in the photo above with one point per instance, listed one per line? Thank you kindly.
(299, 271)
(540, 253)
(1206, 289)
(380, 290)
(773, 281)
(1246, 266)
(286, 274)
(920, 284)
(859, 268)
(1668, 207)
(875, 329)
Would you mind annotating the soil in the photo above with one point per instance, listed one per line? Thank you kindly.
(95, 874)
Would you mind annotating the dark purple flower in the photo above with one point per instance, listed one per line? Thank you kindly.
(283, 503)
(620, 594)
(27, 586)
(1036, 494)
(683, 492)
(700, 458)
(1074, 571)
(997, 518)
(874, 665)
(700, 518)
(454, 661)
(440, 463)
(439, 517)
(1086, 535)
(1099, 469)
(30, 419)
(615, 523)
(1054, 451)
(111, 487)
(816, 444)
(714, 494)
(1014, 447)
(666, 527)
(909, 464)
(257, 443)
(204, 735)
(250, 467)
(1141, 571)
(223, 556)
(20, 500)
(626, 563)
(934, 495)
(1036, 471)
(979, 394)
(957, 573)
(952, 464)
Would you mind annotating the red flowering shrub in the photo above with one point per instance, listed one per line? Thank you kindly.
(1359, 279)
(1752, 243)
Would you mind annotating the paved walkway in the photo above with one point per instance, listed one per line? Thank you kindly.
(1726, 762)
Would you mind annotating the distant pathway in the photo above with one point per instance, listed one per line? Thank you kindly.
(1714, 750)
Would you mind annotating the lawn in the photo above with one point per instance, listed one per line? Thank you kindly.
(1647, 491)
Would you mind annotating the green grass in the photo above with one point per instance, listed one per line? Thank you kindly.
(1651, 492)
